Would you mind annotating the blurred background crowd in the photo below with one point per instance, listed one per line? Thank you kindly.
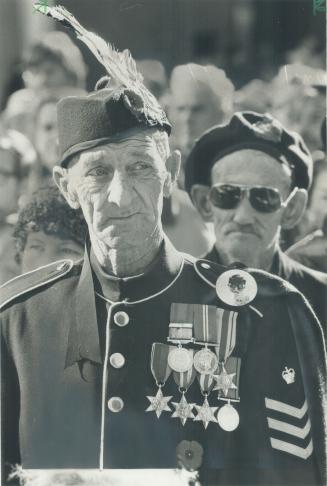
(203, 59)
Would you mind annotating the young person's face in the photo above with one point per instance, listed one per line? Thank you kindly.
(42, 248)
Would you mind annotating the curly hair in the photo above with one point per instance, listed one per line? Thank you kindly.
(49, 212)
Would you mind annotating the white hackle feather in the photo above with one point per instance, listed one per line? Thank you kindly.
(120, 66)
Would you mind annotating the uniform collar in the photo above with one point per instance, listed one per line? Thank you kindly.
(83, 340)
(156, 277)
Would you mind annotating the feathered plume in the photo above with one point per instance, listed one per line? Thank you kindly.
(120, 66)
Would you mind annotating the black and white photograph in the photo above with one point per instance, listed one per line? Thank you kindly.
(163, 242)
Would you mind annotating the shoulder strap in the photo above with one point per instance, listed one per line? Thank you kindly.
(29, 281)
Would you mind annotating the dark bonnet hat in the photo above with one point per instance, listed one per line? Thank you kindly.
(87, 121)
(248, 130)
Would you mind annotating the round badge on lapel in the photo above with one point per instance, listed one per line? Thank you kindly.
(236, 287)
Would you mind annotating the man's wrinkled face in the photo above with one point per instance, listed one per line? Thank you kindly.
(119, 187)
(243, 231)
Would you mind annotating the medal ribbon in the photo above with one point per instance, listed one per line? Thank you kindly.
(206, 383)
(181, 323)
(184, 380)
(226, 321)
(159, 362)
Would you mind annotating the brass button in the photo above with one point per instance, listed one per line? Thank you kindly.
(117, 360)
(115, 404)
(121, 318)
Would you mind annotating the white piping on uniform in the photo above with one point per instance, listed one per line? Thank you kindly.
(214, 286)
(104, 383)
(150, 296)
(106, 357)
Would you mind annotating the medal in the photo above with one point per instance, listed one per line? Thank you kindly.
(228, 417)
(205, 361)
(180, 359)
(183, 410)
(205, 413)
(236, 287)
(159, 403)
(224, 381)
(160, 371)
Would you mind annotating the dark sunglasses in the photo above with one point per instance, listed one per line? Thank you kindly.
(263, 199)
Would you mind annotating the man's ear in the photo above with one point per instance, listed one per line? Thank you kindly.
(199, 195)
(173, 164)
(61, 178)
(294, 209)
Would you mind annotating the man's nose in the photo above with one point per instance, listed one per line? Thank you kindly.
(120, 192)
(244, 213)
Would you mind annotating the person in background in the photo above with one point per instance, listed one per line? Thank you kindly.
(254, 96)
(45, 136)
(48, 230)
(52, 62)
(200, 96)
(250, 178)
(10, 187)
(298, 100)
(312, 249)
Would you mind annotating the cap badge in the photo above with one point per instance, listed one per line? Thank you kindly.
(268, 129)
(236, 287)
(288, 375)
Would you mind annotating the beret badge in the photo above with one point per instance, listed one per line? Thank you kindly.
(268, 129)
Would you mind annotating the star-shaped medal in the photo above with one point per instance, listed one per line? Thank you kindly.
(159, 403)
(183, 410)
(225, 381)
(205, 413)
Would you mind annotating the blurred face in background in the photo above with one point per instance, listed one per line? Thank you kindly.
(47, 75)
(301, 109)
(9, 183)
(46, 135)
(193, 109)
(42, 248)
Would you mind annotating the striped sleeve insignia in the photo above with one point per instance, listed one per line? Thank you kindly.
(290, 428)
(29, 281)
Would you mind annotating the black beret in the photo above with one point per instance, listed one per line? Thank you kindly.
(102, 116)
(248, 130)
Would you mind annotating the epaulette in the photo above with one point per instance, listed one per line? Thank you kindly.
(32, 280)
(269, 285)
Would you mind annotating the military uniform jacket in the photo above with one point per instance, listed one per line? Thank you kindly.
(61, 326)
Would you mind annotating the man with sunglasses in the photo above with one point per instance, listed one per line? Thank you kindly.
(250, 179)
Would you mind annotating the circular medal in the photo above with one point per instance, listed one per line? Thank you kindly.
(236, 287)
(205, 361)
(228, 418)
(180, 360)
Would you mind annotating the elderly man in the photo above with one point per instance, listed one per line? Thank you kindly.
(250, 179)
(200, 97)
(137, 357)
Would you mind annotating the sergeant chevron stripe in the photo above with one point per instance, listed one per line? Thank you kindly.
(302, 452)
(300, 432)
(287, 409)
